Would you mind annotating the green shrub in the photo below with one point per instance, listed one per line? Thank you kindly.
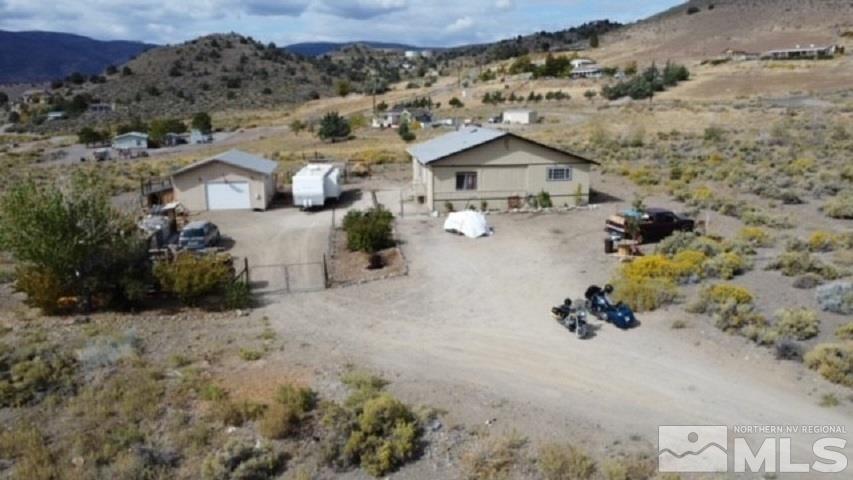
(385, 436)
(251, 355)
(681, 241)
(792, 264)
(565, 462)
(30, 370)
(191, 277)
(645, 294)
(840, 206)
(42, 288)
(369, 231)
(755, 236)
(494, 458)
(242, 459)
(731, 306)
(829, 400)
(543, 199)
(236, 413)
(845, 332)
(797, 323)
(834, 361)
(373, 430)
(290, 409)
(821, 241)
(726, 266)
(29, 448)
(238, 295)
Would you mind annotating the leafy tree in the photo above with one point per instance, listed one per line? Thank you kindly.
(406, 133)
(381, 106)
(456, 103)
(521, 65)
(369, 231)
(4, 98)
(334, 126)
(77, 78)
(159, 128)
(201, 121)
(90, 136)
(14, 117)
(73, 240)
(112, 70)
(136, 125)
(590, 94)
(594, 40)
(126, 71)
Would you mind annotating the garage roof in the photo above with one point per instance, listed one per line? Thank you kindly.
(466, 139)
(237, 158)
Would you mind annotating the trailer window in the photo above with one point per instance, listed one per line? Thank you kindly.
(559, 174)
(466, 181)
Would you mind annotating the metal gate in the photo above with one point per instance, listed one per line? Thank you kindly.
(289, 278)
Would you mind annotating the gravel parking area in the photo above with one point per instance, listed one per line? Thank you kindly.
(469, 330)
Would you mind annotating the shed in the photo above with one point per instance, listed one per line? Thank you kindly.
(476, 165)
(233, 180)
(520, 117)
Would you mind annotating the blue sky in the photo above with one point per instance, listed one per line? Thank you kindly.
(428, 23)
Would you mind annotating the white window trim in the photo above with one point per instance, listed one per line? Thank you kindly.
(565, 168)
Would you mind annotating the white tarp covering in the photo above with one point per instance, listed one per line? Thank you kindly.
(469, 223)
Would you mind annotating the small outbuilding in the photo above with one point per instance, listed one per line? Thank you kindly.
(233, 180)
(476, 167)
(520, 117)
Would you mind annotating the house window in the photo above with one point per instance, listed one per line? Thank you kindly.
(466, 181)
(559, 174)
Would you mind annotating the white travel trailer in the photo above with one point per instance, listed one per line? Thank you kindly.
(315, 184)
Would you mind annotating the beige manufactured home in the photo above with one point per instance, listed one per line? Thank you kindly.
(232, 180)
(475, 165)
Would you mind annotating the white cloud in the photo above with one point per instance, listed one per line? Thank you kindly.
(434, 23)
(460, 24)
(360, 9)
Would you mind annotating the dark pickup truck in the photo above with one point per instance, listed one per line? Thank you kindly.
(652, 224)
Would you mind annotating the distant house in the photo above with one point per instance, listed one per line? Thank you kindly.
(233, 180)
(174, 139)
(197, 137)
(581, 62)
(100, 108)
(131, 143)
(799, 52)
(393, 118)
(520, 117)
(35, 96)
(587, 71)
(474, 165)
(56, 115)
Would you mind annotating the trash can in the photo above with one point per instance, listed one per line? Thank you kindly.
(609, 245)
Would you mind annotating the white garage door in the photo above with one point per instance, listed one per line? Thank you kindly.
(228, 196)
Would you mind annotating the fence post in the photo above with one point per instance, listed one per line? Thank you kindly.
(246, 269)
(325, 272)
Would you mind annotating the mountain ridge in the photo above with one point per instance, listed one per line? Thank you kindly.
(40, 56)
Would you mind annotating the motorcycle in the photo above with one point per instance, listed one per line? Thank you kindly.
(598, 303)
(572, 318)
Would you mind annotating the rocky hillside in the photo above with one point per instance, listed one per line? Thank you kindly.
(700, 29)
(211, 73)
(27, 57)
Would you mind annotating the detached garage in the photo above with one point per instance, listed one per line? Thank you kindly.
(233, 180)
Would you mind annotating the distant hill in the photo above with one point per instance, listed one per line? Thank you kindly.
(315, 49)
(699, 29)
(27, 57)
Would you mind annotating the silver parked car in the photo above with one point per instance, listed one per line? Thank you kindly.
(199, 235)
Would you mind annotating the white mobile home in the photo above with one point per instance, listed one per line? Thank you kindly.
(315, 184)
(131, 141)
